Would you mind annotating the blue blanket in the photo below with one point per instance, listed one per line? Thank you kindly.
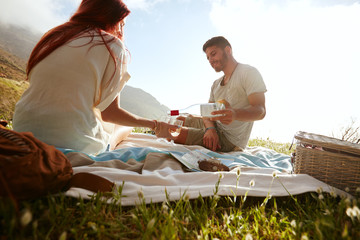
(264, 158)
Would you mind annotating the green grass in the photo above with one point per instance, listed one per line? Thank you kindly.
(306, 216)
(285, 148)
(10, 93)
(61, 217)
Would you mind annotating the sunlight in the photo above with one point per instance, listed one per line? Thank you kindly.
(308, 56)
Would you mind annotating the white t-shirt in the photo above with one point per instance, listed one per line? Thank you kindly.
(60, 106)
(244, 81)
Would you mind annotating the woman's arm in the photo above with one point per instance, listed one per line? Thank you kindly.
(114, 114)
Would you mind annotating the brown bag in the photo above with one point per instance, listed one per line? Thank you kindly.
(30, 168)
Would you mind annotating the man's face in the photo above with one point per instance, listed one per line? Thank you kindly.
(217, 58)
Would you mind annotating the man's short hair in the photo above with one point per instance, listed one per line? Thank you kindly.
(219, 41)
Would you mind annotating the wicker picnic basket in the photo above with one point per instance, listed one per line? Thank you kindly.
(333, 161)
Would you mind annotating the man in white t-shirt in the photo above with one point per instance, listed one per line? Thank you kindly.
(241, 89)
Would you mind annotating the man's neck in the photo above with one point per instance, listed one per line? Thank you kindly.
(230, 67)
(228, 70)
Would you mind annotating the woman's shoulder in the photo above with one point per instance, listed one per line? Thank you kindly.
(114, 41)
(97, 37)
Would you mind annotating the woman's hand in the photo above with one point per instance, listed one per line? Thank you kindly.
(163, 130)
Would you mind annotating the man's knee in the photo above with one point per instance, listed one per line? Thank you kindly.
(182, 136)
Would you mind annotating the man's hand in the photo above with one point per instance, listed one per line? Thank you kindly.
(211, 140)
(255, 111)
(228, 116)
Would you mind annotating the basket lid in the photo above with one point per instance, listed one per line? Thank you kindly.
(328, 142)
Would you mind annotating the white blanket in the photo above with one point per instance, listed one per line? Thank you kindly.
(159, 175)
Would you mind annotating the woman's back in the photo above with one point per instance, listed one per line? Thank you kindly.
(58, 107)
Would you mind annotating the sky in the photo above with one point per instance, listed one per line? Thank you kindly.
(307, 52)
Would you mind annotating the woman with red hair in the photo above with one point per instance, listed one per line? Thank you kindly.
(76, 72)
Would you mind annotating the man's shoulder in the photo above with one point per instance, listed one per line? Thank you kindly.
(245, 67)
(246, 71)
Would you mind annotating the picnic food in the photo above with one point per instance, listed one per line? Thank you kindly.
(212, 165)
(222, 102)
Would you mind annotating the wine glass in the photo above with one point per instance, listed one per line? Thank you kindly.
(173, 121)
(177, 122)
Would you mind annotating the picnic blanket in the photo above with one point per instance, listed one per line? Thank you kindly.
(144, 167)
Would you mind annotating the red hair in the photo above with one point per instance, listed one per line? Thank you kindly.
(98, 15)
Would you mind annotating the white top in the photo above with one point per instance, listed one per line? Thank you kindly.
(244, 81)
(60, 106)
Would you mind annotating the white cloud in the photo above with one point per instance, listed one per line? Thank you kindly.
(145, 5)
(307, 54)
(39, 15)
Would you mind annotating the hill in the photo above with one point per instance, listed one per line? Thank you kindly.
(18, 41)
(141, 103)
(15, 47)
(13, 54)
(10, 93)
(11, 66)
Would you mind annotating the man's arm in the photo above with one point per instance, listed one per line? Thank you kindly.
(256, 111)
(211, 138)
